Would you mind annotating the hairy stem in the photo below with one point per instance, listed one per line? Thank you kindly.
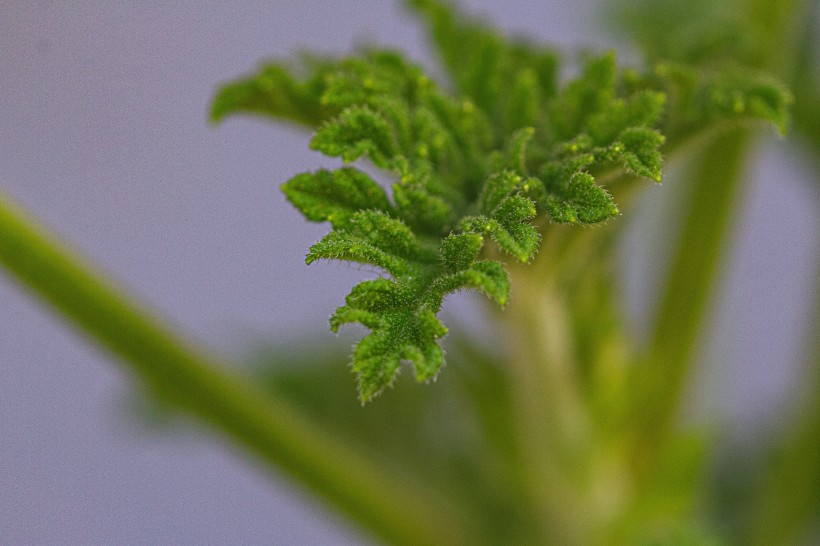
(553, 421)
(396, 509)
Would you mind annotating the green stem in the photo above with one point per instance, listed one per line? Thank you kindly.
(697, 262)
(788, 503)
(395, 509)
(550, 419)
(555, 432)
(694, 268)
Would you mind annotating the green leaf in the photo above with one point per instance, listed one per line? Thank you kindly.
(515, 155)
(483, 64)
(370, 298)
(524, 106)
(469, 50)
(376, 74)
(378, 355)
(472, 160)
(639, 149)
(739, 94)
(379, 295)
(431, 139)
(513, 215)
(421, 210)
(334, 196)
(274, 92)
(376, 238)
(458, 251)
(497, 188)
(700, 99)
(642, 110)
(582, 201)
(587, 96)
(487, 276)
(509, 227)
(399, 332)
(356, 132)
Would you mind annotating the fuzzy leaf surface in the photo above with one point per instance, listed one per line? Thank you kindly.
(335, 196)
(475, 159)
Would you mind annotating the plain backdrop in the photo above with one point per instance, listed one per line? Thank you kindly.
(103, 135)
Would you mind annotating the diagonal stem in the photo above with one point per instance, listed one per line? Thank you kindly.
(394, 508)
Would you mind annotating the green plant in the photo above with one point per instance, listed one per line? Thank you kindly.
(568, 435)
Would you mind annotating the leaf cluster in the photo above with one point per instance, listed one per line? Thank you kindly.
(707, 57)
(477, 158)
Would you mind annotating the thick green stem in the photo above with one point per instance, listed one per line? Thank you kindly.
(556, 434)
(551, 423)
(396, 509)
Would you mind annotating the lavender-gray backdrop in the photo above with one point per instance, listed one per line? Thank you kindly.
(103, 135)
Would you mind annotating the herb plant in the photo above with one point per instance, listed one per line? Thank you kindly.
(569, 434)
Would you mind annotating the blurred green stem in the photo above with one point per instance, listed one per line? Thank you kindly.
(694, 268)
(396, 509)
(551, 421)
(696, 263)
(790, 492)
(555, 428)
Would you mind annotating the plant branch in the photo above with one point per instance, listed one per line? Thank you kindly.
(396, 509)
(694, 268)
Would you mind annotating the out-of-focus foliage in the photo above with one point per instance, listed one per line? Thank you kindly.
(766, 492)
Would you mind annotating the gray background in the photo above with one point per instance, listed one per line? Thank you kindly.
(103, 136)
